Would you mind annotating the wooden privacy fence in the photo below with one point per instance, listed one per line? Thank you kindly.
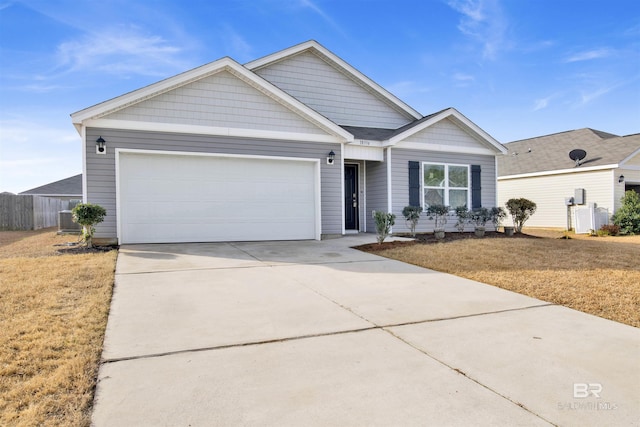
(27, 212)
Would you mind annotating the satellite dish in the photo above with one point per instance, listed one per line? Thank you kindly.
(577, 155)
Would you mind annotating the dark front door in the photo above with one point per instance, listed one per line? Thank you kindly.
(351, 197)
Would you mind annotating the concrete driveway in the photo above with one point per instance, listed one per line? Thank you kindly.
(315, 333)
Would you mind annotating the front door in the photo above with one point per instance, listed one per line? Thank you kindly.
(351, 197)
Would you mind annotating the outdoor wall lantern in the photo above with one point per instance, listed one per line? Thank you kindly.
(331, 157)
(101, 146)
(621, 179)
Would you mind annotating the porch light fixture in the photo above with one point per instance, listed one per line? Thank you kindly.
(621, 179)
(101, 146)
(331, 157)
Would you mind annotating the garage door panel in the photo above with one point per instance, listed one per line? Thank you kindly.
(169, 198)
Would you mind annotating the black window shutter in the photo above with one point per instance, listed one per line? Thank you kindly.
(476, 187)
(414, 183)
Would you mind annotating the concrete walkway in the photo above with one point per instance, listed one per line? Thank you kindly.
(315, 333)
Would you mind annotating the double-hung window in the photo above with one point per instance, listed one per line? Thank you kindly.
(445, 184)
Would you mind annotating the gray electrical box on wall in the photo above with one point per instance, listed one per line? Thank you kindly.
(578, 196)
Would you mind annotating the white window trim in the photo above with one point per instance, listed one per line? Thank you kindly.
(446, 188)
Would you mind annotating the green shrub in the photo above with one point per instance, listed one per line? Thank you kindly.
(384, 222)
(497, 215)
(412, 215)
(628, 216)
(439, 212)
(463, 217)
(520, 210)
(480, 216)
(87, 215)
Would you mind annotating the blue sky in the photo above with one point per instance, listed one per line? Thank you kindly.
(517, 68)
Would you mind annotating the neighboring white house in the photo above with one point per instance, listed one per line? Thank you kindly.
(541, 170)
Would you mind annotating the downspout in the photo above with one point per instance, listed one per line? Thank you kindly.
(364, 196)
(83, 137)
(495, 159)
(344, 231)
(389, 195)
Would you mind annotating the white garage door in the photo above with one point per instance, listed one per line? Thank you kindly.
(192, 198)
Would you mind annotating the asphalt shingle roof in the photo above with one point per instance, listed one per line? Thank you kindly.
(381, 134)
(71, 186)
(551, 152)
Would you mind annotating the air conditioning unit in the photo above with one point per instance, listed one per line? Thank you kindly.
(66, 224)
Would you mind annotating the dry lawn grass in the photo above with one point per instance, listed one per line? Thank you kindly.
(53, 312)
(600, 276)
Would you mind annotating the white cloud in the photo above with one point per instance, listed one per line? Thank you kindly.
(589, 55)
(241, 49)
(120, 50)
(311, 5)
(587, 97)
(463, 80)
(17, 132)
(34, 154)
(542, 103)
(484, 22)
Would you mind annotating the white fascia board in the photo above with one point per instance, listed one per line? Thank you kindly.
(210, 130)
(349, 69)
(444, 148)
(451, 112)
(558, 172)
(366, 143)
(629, 157)
(224, 64)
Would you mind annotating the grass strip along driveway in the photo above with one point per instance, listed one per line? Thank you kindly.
(53, 313)
(596, 275)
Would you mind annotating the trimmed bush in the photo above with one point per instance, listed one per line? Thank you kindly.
(87, 215)
(520, 210)
(412, 215)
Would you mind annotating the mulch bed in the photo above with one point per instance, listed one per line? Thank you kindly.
(429, 238)
(78, 249)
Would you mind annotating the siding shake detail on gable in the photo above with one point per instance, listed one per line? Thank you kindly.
(316, 83)
(220, 100)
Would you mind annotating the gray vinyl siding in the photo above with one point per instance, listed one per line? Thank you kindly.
(400, 182)
(445, 132)
(221, 100)
(377, 199)
(332, 93)
(101, 168)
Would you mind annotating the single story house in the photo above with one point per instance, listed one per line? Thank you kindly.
(603, 167)
(68, 189)
(295, 145)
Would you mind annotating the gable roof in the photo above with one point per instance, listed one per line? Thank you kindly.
(339, 63)
(103, 114)
(549, 153)
(71, 186)
(225, 64)
(393, 136)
